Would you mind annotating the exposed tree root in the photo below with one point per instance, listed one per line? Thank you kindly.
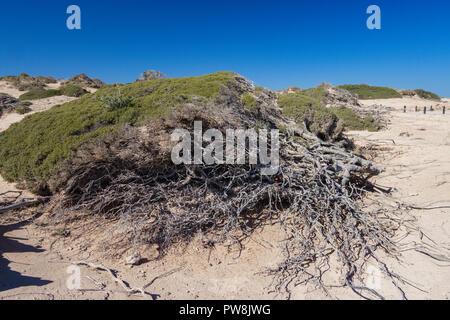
(318, 199)
(129, 290)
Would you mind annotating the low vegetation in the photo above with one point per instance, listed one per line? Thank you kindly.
(354, 122)
(39, 94)
(69, 91)
(427, 95)
(72, 91)
(115, 101)
(249, 101)
(327, 123)
(23, 110)
(315, 93)
(365, 91)
(34, 148)
(319, 120)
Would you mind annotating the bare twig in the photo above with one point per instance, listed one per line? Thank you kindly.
(124, 285)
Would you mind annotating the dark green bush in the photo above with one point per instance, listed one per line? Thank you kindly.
(352, 121)
(40, 94)
(321, 120)
(249, 101)
(73, 91)
(316, 93)
(23, 110)
(69, 91)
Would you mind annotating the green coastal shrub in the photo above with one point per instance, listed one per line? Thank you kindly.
(249, 101)
(327, 123)
(23, 110)
(365, 91)
(427, 95)
(73, 91)
(33, 149)
(39, 94)
(319, 120)
(353, 122)
(69, 91)
(115, 101)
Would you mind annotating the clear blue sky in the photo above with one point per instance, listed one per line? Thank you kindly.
(277, 44)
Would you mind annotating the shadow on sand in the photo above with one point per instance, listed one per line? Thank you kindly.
(10, 279)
